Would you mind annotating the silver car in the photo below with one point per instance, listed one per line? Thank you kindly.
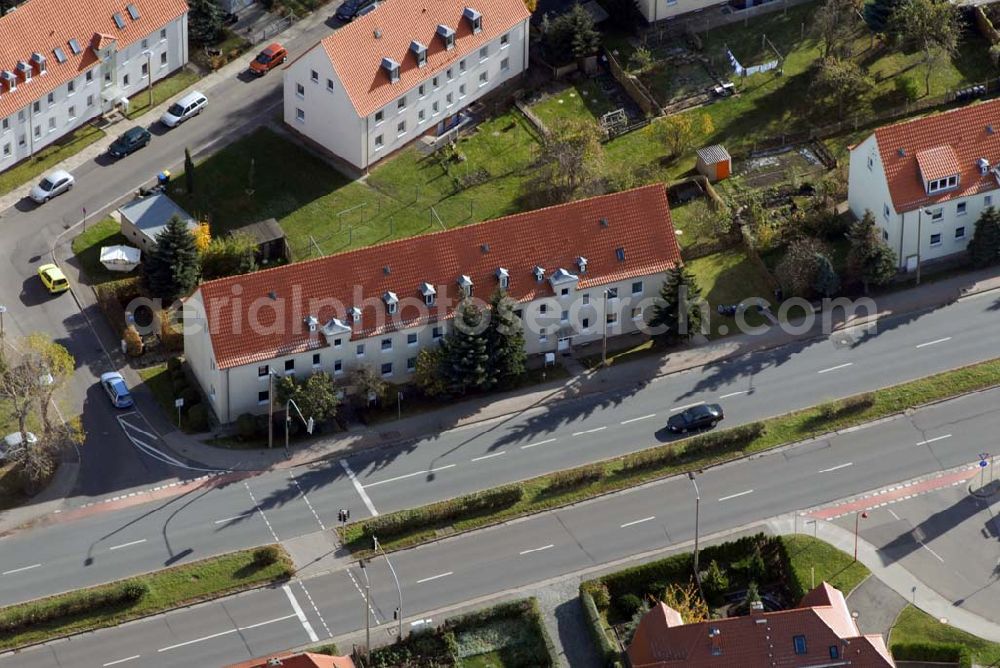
(190, 105)
(54, 183)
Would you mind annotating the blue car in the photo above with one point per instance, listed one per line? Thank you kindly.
(117, 390)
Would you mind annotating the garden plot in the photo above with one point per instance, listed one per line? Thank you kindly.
(779, 167)
(677, 75)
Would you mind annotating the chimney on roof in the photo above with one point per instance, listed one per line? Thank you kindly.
(275, 661)
(273, 295)
(901, 152)
(377, 33)
(604, 222)
(386, 270)
(989, 129)
(485, 248)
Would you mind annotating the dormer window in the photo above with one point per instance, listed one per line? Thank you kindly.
(354, 313)
(311, 322)
(10, 79)
(391, 68)
(419, 52)
(391, 302)
(428, 292)
(465, 285)
(946, 183)
(447, 35)
(39, 61)
(984, 166)
(539, 274)
(503, 278)
(24, 69)
(474, 18)
(581, 263)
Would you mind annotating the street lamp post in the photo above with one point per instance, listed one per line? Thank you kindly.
(270, 407)
(310, 423)
(399, 590)
(604, 325)
(857, 525)
(697, 509)
(149, 75)
(3, 340)
(368, 608)
(920, 218)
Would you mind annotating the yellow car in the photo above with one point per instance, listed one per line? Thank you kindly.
(53, 278)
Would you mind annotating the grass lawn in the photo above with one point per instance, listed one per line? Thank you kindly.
(157, 379)
(87, 249)
(729, 277)
(583, 100)
(47, 158)
(809, 557)
(200, 580)
(693, 223)
(163, 90)
(614, 474)
(914, 626)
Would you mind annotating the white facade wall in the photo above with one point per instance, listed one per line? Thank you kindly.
(77, 101)
(657, 10)
(238, 390)
(318, 106)
(944, 229)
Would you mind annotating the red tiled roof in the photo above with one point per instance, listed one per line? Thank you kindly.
(638, 222)
(937, 163)
(356, 53)
(43, 25)
(966, 131)
(303, 660)
(758, 640)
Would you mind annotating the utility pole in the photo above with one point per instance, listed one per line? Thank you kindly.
(857, 525)
(368, 608)
(399, 590)
(149, 74)
(604, 338)
(697, 508)
(270, 407)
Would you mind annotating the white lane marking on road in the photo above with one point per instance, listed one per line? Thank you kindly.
(924, 545)
(129, 544)
(149, 450)
(931, 343)
(837, 468)
(21, 570)
(536, 549)
(644, 417)
(435, 577)
(313, 604)
(686, 406)
(442, 468)
(589, 431)
(733, 496)
(115, 663)
(226, 633)
(306, 499)
(934, 440)
(891, 512)
(531, 445)
(359, 488)
(236, 518)
(490, 456)
(371, 610)
(834, 368)
(734, 394)
(270, 621)
(131, 426)
(261, 511)
(634, 522)
(301, 615)
(399, 477)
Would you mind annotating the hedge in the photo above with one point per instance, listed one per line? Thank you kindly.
(444, 512)
(539, 654)
(86, 601)
(608, 652)
(562, 481)
(716, 442)
(934, 652)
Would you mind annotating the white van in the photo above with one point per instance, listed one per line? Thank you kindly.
(190, 105)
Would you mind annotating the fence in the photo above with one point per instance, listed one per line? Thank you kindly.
(642, 97)
(665, 30)
(532, 118)
(271, 29)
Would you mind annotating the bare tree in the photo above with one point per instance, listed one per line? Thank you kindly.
(833, 25)
(933, 26)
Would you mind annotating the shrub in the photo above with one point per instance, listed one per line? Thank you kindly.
(190, 397)
(21, 617)
(179, 385)
(133, 342)
(197, 417)
(174, 365)
(602, 599)
(596, 626)
(246, 426)
(932, 652)
(266, 556)
(650, 459)
(715, 582)
(629, 604)
(573, 478)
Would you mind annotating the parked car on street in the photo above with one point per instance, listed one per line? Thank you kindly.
(352, 9)
(190, 105)
(268, 59)
(13, 442)
(117, 390)
(129, 142)
(54, 183)
(702, 416)
(53, 279)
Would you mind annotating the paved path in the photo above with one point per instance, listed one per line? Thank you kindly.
(877, 606)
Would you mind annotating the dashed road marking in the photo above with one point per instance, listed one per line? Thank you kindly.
(21, 570)
(436, 577)
(934, 440)
(537, 549)
(634, 522)
(301, 615)
(734, 394)
(836, 468)
(644, 417)
(931, 343)
(489, 456)
(532, 445)
(261, 511)
(738, 494)
(306, 499)
(590, 431)
(834, 368)
(226, 633)
(315, 609)
(686, 406)
(115, 663)
(129, 544)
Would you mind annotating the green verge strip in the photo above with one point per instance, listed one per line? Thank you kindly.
(407, 528)
(118, 602)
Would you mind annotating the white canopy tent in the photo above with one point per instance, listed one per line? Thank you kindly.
(120, 258)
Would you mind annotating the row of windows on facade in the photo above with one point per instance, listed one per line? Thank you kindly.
(25, 69)
(961, 208)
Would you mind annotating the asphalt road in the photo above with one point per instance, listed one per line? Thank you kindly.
(68, 555)
(541, 547)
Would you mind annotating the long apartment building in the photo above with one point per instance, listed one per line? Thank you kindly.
(405, 70)
(63, 62)
(927, 181)
(579, 271)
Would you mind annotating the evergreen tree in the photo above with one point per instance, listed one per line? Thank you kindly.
(878, 16)
(571, 35)
(826, 282)
(172, 267)
(677, 312)
(204, 21)
(504, 341)
(870, 261)
(466, 362)
(984, 247)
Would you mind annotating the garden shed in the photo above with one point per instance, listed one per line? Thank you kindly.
(145, 217)
(714, 162)
(270, 238)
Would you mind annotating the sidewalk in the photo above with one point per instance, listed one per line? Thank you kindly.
(619, 377)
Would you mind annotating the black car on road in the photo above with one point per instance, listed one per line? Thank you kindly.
(131, 141)
(352, 9)
(702, 416)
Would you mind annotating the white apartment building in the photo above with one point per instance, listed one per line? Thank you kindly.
(926, 181)
(579, 272)
(405, 70)
(63, 62)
